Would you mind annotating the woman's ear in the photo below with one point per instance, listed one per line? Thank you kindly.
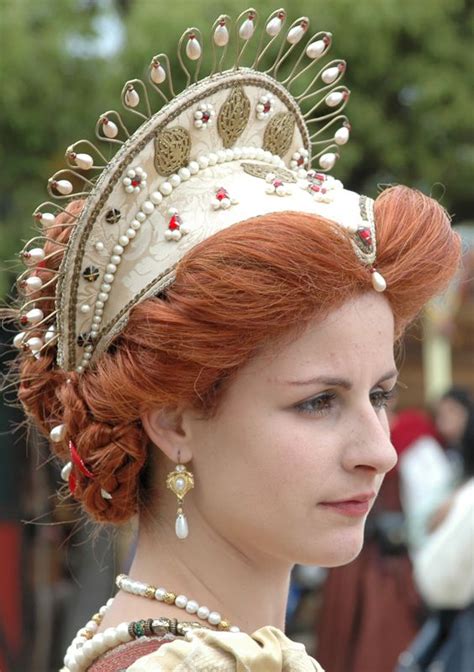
(169, 430)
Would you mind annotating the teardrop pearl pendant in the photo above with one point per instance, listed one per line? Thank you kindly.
(180, 481)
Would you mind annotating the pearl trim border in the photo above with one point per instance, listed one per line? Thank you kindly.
(155, 198)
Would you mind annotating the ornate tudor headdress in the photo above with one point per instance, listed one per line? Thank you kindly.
(238, 143)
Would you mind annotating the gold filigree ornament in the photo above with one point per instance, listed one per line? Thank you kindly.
(180, 482)
(125, 244)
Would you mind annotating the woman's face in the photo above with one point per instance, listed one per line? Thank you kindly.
(300, 428)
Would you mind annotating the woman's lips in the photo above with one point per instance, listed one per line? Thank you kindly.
(357, 506)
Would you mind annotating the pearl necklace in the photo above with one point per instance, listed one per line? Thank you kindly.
(88, 644)
(135, 587)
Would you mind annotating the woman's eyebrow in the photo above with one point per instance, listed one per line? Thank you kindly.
(335, 381)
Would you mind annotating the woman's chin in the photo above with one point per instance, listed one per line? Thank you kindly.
(335, 551)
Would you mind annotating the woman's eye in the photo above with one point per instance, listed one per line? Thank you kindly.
(380, 398)
(317, 405)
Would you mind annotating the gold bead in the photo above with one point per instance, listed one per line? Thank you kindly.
(97, 618)
(150, 592)
(223, 625)
(169, 598)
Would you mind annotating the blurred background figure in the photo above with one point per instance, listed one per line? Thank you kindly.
(451, 416)
(444, 566)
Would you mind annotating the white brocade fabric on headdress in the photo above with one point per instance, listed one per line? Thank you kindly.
(235, 144)
(267, 650)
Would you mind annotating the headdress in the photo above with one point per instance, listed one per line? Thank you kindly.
(243, 141)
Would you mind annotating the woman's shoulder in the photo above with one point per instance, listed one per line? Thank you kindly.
(266, 650)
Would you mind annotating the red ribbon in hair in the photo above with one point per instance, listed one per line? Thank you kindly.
(80, 464)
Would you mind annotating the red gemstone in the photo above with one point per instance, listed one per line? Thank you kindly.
(23, 319)
(175, 222)
(281, 15)
(277, 183)
(323, 190)
(136, 182)
(300, 161)
(267, 107)
(365, 236)
(221, 194)
(41, 264)
(315, 187)
(205, 117)
(341, 67)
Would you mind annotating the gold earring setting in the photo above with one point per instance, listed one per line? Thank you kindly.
(180, 481)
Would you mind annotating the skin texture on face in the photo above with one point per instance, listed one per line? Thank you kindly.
(279, 446)
(263, 467)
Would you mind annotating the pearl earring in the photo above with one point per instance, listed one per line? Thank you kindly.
(180, 481)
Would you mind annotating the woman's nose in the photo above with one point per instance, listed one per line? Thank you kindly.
(368, 442)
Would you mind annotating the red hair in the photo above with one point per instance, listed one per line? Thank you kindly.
(254, 282)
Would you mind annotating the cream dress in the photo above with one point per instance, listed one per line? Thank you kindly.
(267, 650)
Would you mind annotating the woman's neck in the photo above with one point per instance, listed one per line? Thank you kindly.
(250, 592)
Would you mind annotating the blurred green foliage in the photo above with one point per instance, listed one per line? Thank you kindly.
(410, 72)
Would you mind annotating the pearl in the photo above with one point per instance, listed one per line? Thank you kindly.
(181, 601)
(160, 594)
(193, 167)
(111, 268)
(86, 356)
(341, 136)
(273, 27)
(108, 278)
(132, 98)
(115, 259)
(58, 433)
(166, 188)
(193, 49)
(85, 308)
(99, 246)
(214, 618)
(327, 160)
(203, 161)
(156, 197)
(91, 626)
(124, 241)
(221, 36)
(130, 233)
(18, 340)
(34, 315)
(79, 369)
(192, 606)
(109, 637)
(378, 282)
(246, 30)
(175, 180)
(109, 129)
(330, 74)
(234, 628)
(63, 186)
(157, 74)
(315, 49)
(105, 287)
(99, 305)
(180, 483)
(203, 612)
(212, 159)
(103, 297)
(334, 98)
(100, 644)
(184, 174)
(34, 256)
(84, 161)
(122, 632)
(295, 34)
(148, 207)
(181, 526)
(97, 319)
(33, 284)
